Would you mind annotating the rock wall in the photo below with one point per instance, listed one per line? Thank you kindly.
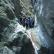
(45, 13)
(27, 8)
(13, 39)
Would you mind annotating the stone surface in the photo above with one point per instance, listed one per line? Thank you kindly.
(16, 39)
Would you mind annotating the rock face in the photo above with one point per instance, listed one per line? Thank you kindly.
(27, 8)
(13, 39)
(44, 11)
(21, 45)
(8, 12)
(10, 8)
(13, 36)
(27, 22)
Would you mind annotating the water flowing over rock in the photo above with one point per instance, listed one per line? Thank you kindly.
(44, 17)
(26, 27)
(14, 39)
(44, 12)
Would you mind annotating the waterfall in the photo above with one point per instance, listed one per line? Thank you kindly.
(37, 34)
(19, 28)
(42, 17)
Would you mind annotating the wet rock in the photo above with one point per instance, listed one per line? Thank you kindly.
(45, 50)
(10, 8)
(3, 23)
(45, 12)
(27, 22)
(6, 50)
(27, 8)
(18, 8)
(21, 44)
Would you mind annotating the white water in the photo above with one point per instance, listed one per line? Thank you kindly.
(31, 33)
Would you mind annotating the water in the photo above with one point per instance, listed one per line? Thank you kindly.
(42, 31)
(10, 32)
(35, 34)
(19, 28)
